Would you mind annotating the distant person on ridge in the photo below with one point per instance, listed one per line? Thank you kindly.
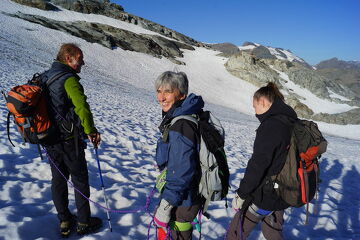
(256, 200)
(73, 119)
(178, 154)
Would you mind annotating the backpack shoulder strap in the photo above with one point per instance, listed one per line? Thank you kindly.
(56, 77)
(192, 118)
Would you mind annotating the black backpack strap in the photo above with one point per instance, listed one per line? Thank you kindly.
(191, 118)
(8, 128)
(2, 92)
(56, 77)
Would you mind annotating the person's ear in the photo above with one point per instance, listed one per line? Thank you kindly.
(182, 97)
(68, 58)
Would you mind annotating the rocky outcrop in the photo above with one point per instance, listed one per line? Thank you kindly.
(301, 109)
(259, 69)
(41, 4)
(245, 66)
(349, 117)
(112, 37)
(246, 43)
(104, 7)
(227, 49)
(346, 73)
(320, 85)
(270, 53)
(262, 52)
(349, 78)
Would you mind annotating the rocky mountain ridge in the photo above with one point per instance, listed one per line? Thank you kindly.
(112, 37)
(338, 64)
(104, 7)
(346, 73)
(260, 64)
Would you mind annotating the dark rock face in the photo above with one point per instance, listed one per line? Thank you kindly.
(346, 73)
(349, 117)
(227, 49)
(262, 52)
(115, 11)
(104, 7)
(259, 71)
(248, 44)
(338, 64)
(112, 37)
(90, 6)
(279, 51)
(41, 4)
(349, 78)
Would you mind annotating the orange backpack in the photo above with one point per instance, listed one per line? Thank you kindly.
(28, 105)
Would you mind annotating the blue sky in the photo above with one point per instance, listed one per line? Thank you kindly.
(312, 29)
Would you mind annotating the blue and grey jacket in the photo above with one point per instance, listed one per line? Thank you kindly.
(179, 154)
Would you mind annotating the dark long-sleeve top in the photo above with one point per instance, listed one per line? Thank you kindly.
(269, 154)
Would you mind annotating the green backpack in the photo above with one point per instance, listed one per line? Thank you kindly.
(298, 180)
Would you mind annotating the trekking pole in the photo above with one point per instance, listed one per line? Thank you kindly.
(41, 156)
(103, 188)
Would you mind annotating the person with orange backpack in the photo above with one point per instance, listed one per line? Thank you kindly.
(256, 199)
(71, 115)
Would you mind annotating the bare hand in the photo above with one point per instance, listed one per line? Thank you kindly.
(95, 138)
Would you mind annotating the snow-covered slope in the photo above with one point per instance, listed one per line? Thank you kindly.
(119, 85)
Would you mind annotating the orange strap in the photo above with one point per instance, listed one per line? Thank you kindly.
(308, 157)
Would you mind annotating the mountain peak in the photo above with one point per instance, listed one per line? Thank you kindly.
(338, 64)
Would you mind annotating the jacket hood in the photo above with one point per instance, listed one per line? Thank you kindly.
(191, 105)
(278, 107)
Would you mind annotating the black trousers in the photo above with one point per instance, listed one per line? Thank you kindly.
(271, 226)
(71, 164)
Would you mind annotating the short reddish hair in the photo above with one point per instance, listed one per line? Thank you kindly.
(68, 49)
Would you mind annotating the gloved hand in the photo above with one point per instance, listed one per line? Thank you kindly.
(237, 202)
(162, 215)
(95, 139)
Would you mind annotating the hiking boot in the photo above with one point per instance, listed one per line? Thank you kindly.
(90, 227)
(67, 226)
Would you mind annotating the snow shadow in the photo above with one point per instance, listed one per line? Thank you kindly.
(343, 213)
(339, 206)
(349, 205)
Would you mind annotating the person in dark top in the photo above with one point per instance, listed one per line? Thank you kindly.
(71, 115)
(256, 200)
(178, 155)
